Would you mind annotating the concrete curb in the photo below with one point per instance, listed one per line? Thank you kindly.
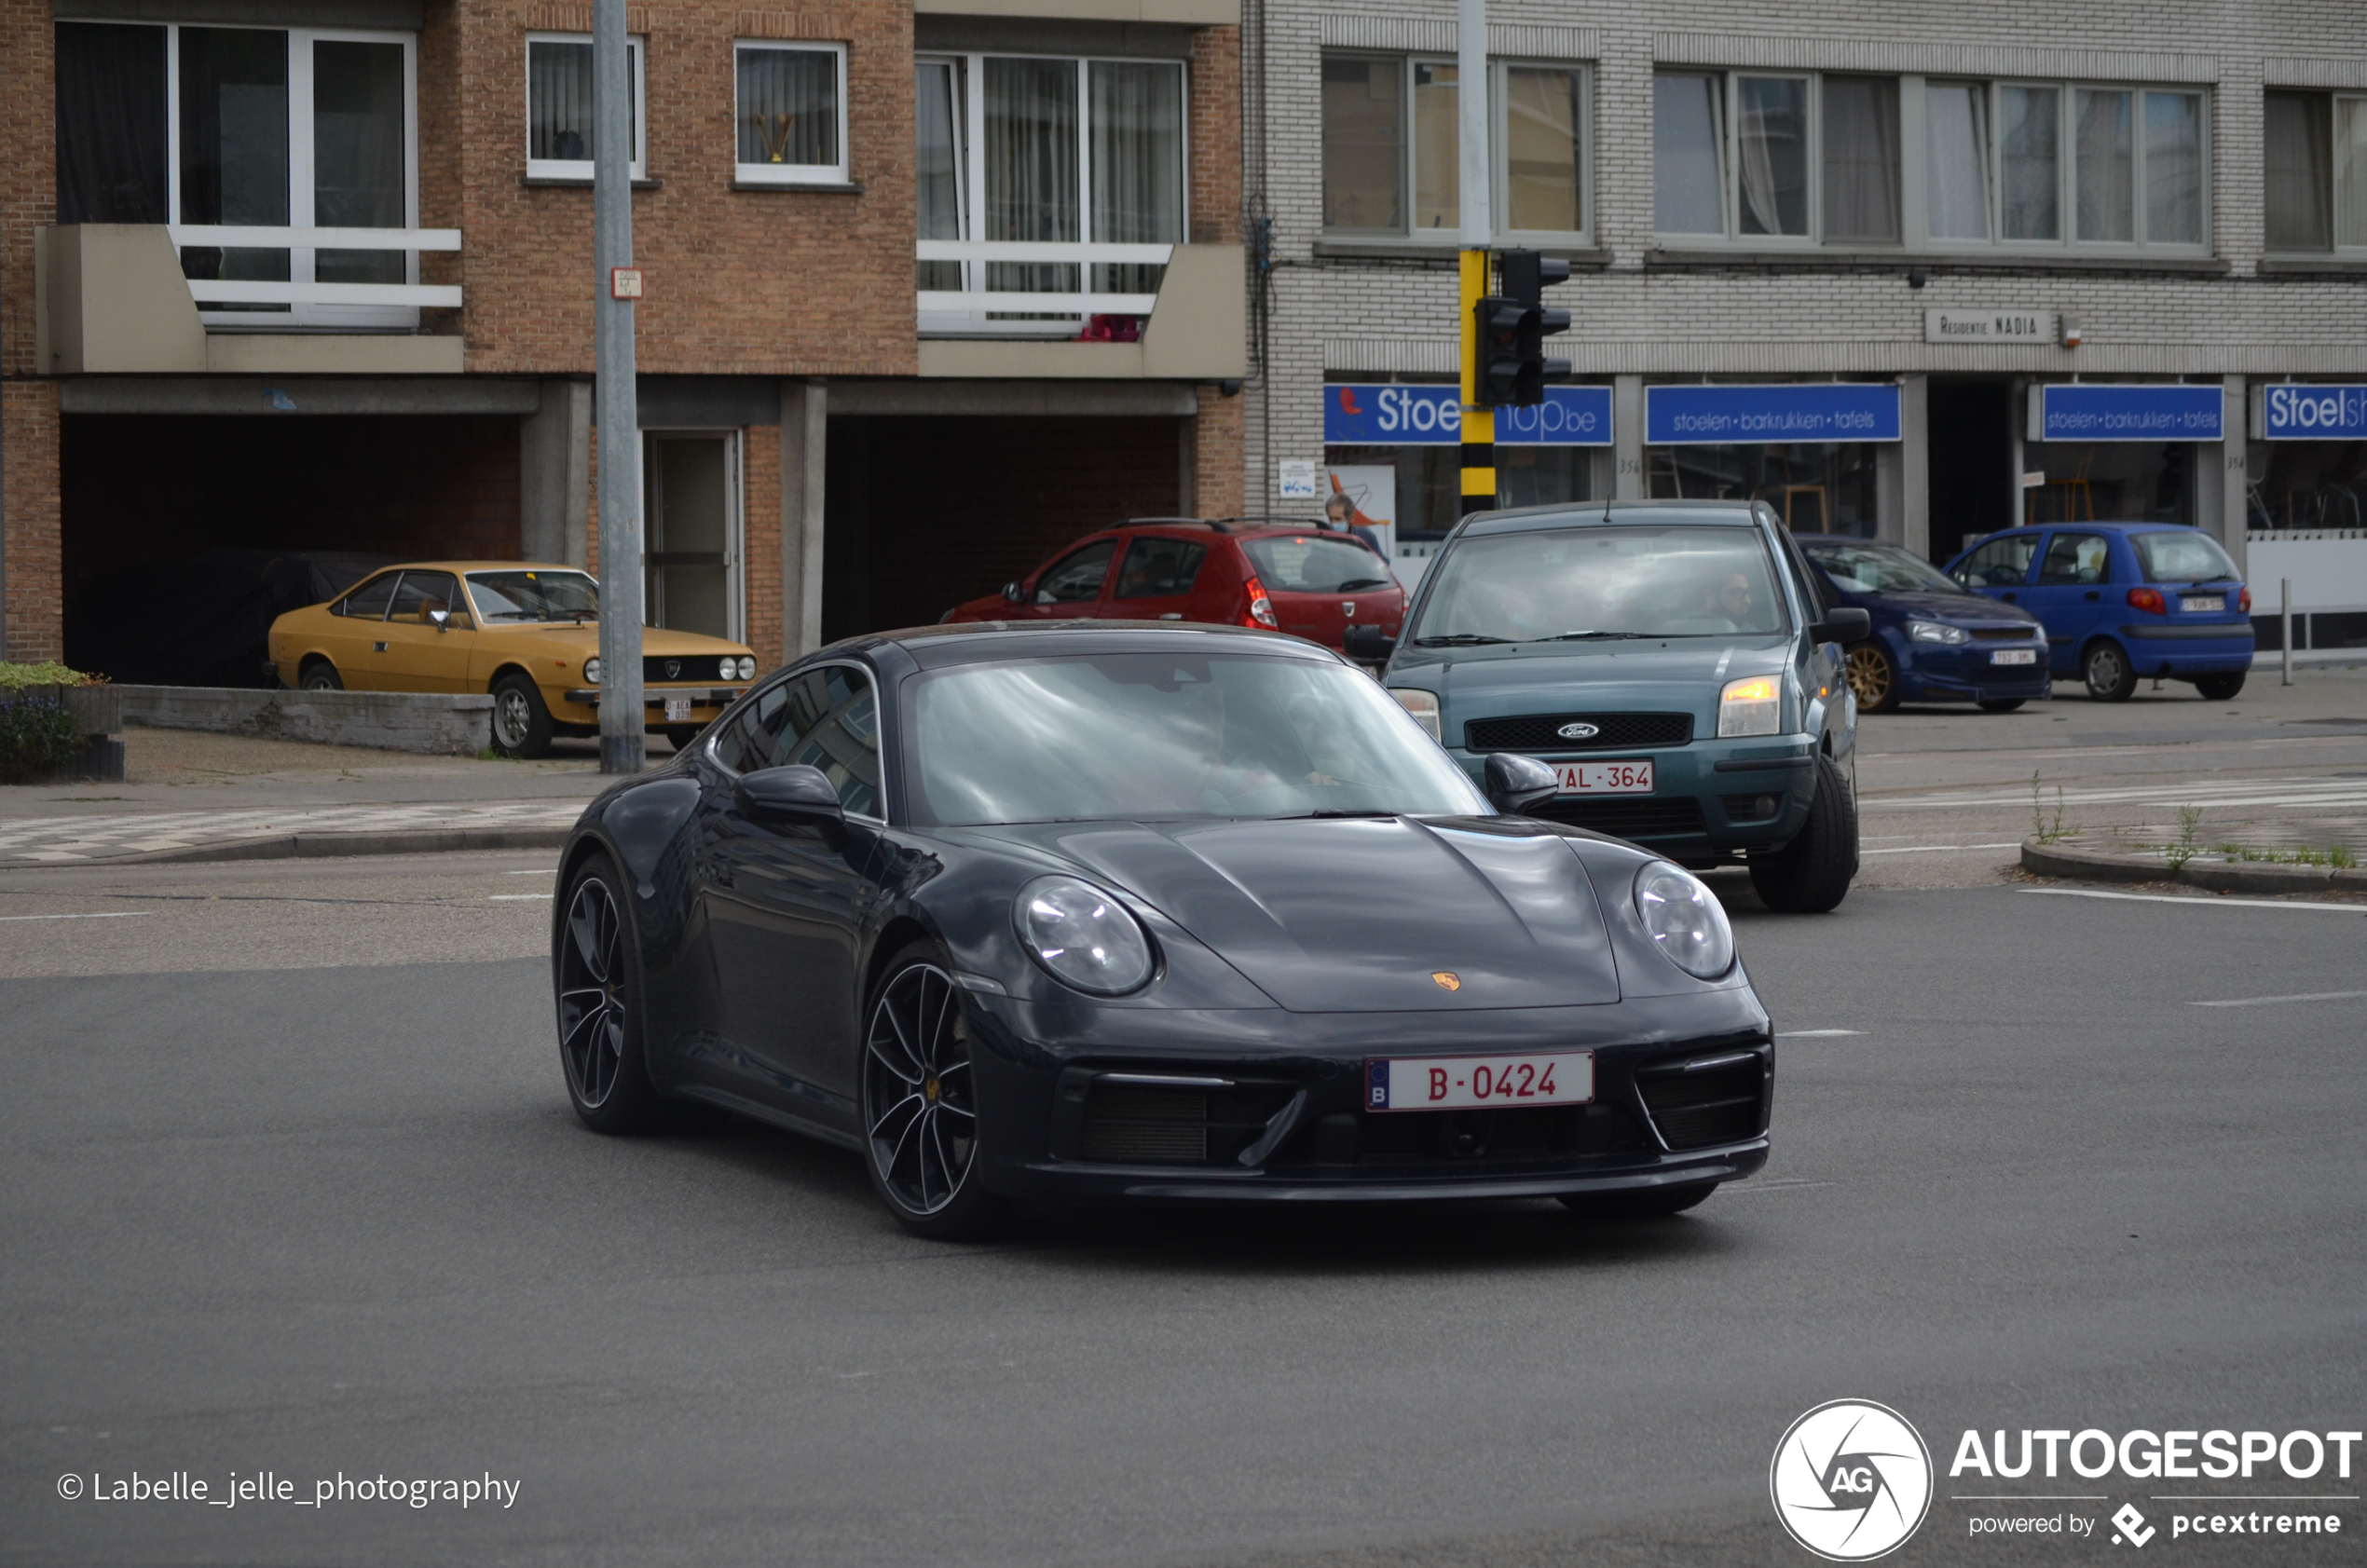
(2093, 866)
(436, 724)
(310, 846)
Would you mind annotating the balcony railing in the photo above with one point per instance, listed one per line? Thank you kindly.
(306, 299)
(977, 310)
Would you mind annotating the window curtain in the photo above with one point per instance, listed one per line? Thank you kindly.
(1540, 173)
(2173, 168)
(233, 147)
(1138, 166)
(2296, 138)
(1687, 176)
(1861, 159)
(2350, 171)
(936, 165)
(788, 107)
(111, 133)
(2029, 133)
(2105, 166)
(558, 100)
(1956, 155)
(357, 156)
(1030, 168)
(1771, 139)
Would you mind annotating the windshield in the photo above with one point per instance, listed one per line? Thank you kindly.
(1668, 580)
(1307, 565)
(1131, 737)
(2182, 557)
(515, 596)
(1880, 568)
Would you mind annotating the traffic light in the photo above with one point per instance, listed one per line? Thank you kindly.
(1513, 329)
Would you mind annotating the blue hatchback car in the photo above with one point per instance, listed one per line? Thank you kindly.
(2123, 600)
(1932, 641)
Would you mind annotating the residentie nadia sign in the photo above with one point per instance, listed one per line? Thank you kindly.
(2302, 411)
(1731, 415)
(1359, 415)
(2097, 411)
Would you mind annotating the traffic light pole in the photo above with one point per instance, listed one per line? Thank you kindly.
(622, 720)
(1471, 177)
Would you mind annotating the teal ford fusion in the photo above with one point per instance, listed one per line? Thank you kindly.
(1671, 661)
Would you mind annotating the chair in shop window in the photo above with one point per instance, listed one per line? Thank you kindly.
(1823, 506)
(2076, 495)
(2331, 514)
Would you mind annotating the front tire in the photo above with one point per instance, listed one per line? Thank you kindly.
(2109, 674)
(521, 724)
(596, 973)
(2001, 705)
(920, 1103)
(2219, 688)
(1653, 1204)
(1873, 675)
(319, 675)
(1812, 874)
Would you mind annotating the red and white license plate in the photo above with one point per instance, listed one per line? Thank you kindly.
(2014, 656)
(1605, 778)
(677, 709)
(1470, 1082)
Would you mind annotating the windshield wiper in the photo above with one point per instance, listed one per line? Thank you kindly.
(1587, 637)
(1458, 640)
(1334, 812)
(1356, 582)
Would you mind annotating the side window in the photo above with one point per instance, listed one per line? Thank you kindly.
(1999, 563)
(1159, 569)
(2075, 560)
(1078, 579)
(1812, 597)
(369, 602)
(832, 723)
(423, 592)
(749, 743)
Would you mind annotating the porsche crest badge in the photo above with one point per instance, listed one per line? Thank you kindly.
(1448, 979)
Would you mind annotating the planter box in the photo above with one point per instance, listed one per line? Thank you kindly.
(97, 712)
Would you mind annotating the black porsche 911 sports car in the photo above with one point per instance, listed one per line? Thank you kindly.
(1101, 911)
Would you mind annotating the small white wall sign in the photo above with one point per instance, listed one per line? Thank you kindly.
(1989, 326)
(1295, 479)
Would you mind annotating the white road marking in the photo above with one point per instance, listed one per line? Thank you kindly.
(1816, 1033)
(2272, 1001)
(2198, 903)
(1783, 1184)
(540, 871)
(517, 897)
(110, 915)
(1936, 849)
(2173, 792)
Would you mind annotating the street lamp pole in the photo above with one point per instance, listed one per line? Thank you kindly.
(621, 720)
(1471, 178)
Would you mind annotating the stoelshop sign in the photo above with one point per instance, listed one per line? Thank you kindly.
(1363, 414)
(2296, 412)
(1700, 415)
(2093, 411)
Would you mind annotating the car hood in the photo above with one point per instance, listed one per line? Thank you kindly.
(1671, 676)
(1967, 608)
(657, 642)
(1360, 915)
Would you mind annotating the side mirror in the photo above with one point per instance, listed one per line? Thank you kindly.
(1516, 783)
(793, 794)
(442, 620)
(1370, 645)
(1845, 623)
(1011, 594)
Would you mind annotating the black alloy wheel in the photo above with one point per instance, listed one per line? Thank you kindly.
(521, 724)
(1812, 874)
(2219, 688)
(319, 675)
(2001, 705)
(1873, 677)
(597, 977)
(920, 1105)
(2109, 674)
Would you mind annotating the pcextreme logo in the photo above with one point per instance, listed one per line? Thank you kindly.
(1850, 1481)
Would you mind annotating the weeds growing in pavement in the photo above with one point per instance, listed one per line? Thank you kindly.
(2339, 857)
(2189, 819)
(2043, 830)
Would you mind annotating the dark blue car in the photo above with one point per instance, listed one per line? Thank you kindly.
(1932, 641)
(2123, 600)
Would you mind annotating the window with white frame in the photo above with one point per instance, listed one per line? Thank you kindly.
(229, 133)
(558, 106)
(1773, 158)
(1051, 153)
(1391, 133)
(790, 113)
(2314, 167)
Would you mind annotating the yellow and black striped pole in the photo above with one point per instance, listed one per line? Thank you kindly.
(1479, 422)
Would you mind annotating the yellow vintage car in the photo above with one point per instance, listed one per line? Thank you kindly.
(528, 633)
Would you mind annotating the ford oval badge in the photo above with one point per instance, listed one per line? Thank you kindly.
(1578, 731)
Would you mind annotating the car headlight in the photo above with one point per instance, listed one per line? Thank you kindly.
(1423, 705)
(1933, 631)
(1753, 705)
(2038, 635)
(1685, 919)
(1082, 936)
(746, 668)
(592, 671)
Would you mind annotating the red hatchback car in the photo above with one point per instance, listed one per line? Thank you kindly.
(1288, 576)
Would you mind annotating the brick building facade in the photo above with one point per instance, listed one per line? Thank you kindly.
(203, 349)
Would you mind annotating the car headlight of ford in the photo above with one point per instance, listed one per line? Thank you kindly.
(1753, 705)
(1685, 921)
(1082, 936)
(592, 671)
(1423, 705)
(1934, 631)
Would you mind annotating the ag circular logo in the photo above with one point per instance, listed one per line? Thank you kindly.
(1850, 1481)
(1578, 731)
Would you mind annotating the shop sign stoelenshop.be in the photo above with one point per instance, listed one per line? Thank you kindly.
(1368, 414)
(2305, 412)
(2091, 411)
(1738, 416)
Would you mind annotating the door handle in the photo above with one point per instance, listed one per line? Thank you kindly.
(2093, 595)
(2007, 597)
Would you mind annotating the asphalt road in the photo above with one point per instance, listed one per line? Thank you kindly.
(338, 1218)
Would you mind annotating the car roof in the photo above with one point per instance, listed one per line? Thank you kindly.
(2087, 527)
(476, 567)
(1843, 539)
(1231, 526)
(975, 642)
(1581, 514)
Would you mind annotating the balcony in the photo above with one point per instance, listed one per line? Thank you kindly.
(116, 299)
(1193, 328)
